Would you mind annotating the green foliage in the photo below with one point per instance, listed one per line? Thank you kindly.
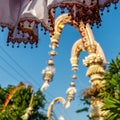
(85, 109)
(110, 93)
(113, 107)
(20, 101)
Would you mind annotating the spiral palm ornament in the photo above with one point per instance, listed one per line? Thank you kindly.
(95, 61)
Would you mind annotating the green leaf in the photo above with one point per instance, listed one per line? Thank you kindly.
(85, 109)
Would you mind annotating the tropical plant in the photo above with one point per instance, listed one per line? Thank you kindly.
(109, 93)
(21, 103)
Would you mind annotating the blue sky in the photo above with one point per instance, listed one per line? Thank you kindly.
(20, 64)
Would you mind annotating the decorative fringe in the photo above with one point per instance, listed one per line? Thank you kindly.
(67, 105)
(44, 86)
(61, 118)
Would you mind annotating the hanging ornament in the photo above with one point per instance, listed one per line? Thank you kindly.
(74, 76)
(115, 7)
(2, 29)
(49, 71)
(48, 74)
(70, 94)
(52, 53)
(62, 10)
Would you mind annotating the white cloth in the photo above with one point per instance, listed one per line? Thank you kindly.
(100, 3)
(52, 3)
(34, 10)
(13, 10)
(9, 12)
